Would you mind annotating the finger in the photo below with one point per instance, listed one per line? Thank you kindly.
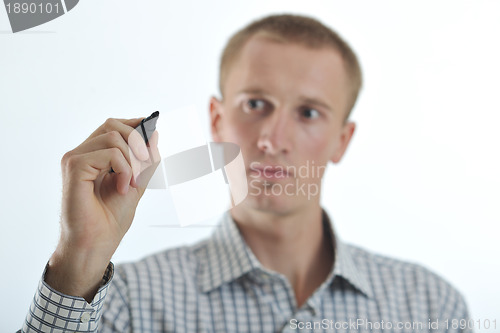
(112, 124)
(139, 165)
(126, 128)
(138, 145)
(147, 168)
(107, 140)
(154, 153)
(88, 167)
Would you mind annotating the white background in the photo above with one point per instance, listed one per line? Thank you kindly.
(419, 182)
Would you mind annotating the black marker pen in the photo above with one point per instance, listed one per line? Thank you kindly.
(146, 128)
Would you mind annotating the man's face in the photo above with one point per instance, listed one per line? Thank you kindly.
(284, 105)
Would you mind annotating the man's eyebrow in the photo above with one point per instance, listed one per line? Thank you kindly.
(261, 93)
(255, 91)
(315, 101)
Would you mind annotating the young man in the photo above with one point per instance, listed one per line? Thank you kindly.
(288, 84)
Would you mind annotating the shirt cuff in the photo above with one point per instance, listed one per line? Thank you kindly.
(52, 311)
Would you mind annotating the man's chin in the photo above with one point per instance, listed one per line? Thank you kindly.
(268, 203)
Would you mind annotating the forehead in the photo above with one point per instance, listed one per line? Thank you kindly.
(289, 69)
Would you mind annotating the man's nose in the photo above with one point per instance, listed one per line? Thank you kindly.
(275, 135)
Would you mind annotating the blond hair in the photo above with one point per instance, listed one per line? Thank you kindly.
(302, 30)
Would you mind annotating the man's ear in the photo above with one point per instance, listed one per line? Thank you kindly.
(345, 137)
(215, 117)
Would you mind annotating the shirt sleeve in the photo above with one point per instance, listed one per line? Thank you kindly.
(456, 318)
(52, 311)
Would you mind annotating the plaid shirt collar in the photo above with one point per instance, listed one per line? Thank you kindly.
(226, 257)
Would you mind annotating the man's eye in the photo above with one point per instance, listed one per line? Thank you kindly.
(310, 113)
(255, 105)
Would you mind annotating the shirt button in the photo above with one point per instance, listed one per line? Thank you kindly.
(85, 318)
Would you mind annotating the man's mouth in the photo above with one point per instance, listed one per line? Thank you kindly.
(270, 172)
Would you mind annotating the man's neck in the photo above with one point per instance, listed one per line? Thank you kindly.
(294, 245)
